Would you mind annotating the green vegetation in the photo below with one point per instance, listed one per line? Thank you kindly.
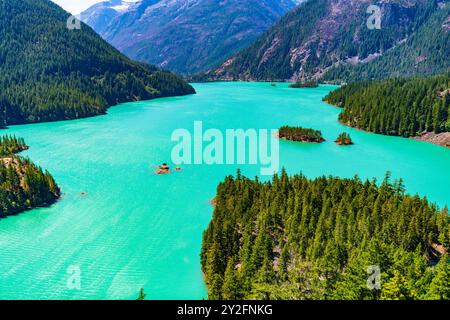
(142, 294)
(344, 139)
(402, 107)
(294, 238)
(49, 73)
(23, 185)
(300, 134)
(424, 52)
(330, 41)
(10, 145)
(304, 84)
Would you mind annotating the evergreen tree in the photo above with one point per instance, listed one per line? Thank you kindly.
(142, 294)
(400, 107)
(294, 238)
(231, 286)
(440, 286)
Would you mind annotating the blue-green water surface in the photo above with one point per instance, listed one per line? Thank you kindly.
(134, 229)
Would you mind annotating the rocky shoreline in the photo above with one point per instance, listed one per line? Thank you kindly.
(440, 139)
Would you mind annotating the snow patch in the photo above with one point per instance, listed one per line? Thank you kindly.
(124, 6)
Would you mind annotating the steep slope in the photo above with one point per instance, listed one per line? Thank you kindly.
(101, 14)
(49, 73)
(426, 51)
(23, 185)
(185, 36)
(322, 34)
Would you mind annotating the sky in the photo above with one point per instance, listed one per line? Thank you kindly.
(76, 6)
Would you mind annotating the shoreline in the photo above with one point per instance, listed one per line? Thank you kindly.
(14, 161)
(438, 139)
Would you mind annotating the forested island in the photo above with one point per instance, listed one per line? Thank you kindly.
(401, 107)
(344, 139)
(50, 73)
(23, 185)
(300, 134)
(295, 238)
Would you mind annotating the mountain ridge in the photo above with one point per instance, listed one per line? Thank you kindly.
(321, 35)
(51, 73)
(185, 36)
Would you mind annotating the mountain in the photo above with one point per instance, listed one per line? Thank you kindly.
(49, 72)
(101, 14)
(321, 35)
(424, 52)
(185, 36)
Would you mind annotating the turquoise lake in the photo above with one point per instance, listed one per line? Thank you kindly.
(135, 229)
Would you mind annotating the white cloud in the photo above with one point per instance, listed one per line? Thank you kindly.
(76, 6)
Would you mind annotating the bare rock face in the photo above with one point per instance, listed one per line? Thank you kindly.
(185, 36)
(446, 24)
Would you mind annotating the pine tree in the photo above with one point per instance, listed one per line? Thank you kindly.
(142, 295)
(440, 286)
(231, 285)
(396, 288)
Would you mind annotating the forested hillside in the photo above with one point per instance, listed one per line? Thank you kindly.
(330, 40)
(49, 73)
(184, 36)
(294, 238)
(23, 185)
(402, 107)
(425, 52)
(11, 145)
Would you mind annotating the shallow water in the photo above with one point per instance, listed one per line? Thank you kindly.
(136, 229)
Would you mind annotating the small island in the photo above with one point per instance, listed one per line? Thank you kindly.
(163, 169)
(300, 134)
(304, 84)
(344, 139)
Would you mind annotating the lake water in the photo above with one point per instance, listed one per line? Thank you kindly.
(135, 229)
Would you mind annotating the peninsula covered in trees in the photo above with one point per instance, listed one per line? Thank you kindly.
(23, 185)
(11, 144)
(295, 238)
(49, 72)
(400, 107)
(300, 134)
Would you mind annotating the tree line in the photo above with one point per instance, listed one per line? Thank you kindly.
(10, 144)
(300, 134)
(23, 185)
(401, 107)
